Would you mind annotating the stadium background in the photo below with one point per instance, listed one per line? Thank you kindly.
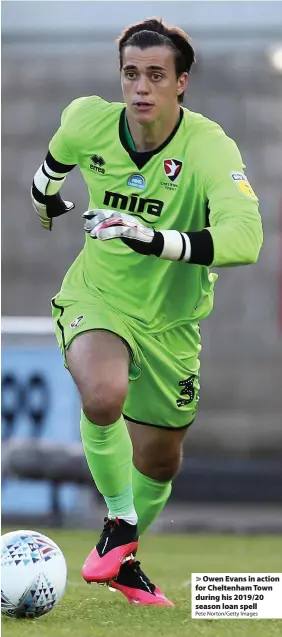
(231, 477)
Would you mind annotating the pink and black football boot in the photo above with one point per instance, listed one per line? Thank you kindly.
(136, 586)
(118, 540)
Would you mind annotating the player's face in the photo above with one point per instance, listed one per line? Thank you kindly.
(149, 83)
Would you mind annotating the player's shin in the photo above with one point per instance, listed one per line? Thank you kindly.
(108, 452)
(150, 498)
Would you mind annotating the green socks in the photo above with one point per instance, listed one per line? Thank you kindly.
(150, 498)
(108, 452)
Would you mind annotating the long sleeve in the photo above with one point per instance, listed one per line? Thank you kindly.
(235, 221)
(58, 163)
(50, 177)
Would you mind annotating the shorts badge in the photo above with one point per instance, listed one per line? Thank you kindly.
(76, 321)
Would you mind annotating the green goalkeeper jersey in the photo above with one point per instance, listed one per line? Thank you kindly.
(194, 180)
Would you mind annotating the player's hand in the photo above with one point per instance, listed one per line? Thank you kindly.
(110, 224)
(55, 208)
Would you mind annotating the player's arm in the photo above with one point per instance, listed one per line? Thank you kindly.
(50, 177)
(234, 236)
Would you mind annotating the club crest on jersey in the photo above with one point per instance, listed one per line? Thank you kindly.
(77, 321)
(137, 181)
(172, 168)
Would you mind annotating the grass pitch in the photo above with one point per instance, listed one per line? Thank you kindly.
(169, 560)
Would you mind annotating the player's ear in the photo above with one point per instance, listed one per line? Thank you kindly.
(182, 82)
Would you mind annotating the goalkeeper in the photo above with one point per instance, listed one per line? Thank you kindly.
(168, 199)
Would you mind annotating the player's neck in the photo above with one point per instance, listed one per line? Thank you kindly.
(152, 135)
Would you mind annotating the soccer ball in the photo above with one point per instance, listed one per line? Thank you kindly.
(33, 574)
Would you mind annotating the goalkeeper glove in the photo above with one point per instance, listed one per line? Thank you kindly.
(109, 224)
(54, 206)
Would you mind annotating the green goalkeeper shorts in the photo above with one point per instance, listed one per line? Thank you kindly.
(164, 367)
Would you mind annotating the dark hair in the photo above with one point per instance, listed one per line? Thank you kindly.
(154, 32)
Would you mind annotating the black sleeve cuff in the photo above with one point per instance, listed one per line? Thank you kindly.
(202, 249)
(57, 166)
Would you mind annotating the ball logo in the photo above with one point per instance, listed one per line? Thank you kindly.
(76, 321)
(172, 168)
(136, 181)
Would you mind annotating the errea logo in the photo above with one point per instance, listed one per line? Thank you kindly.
(97, 163)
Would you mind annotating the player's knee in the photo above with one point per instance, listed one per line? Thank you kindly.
(102, 413)
(103, 405)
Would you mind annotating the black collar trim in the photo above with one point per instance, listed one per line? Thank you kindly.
(140, 159)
